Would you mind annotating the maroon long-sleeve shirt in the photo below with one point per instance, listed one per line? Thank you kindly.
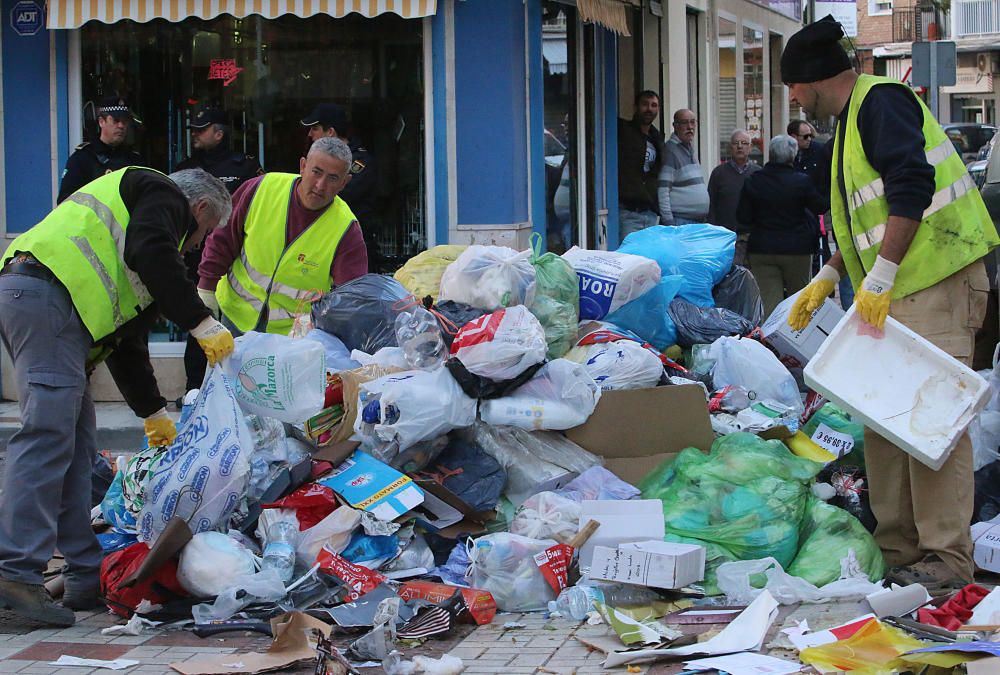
(223, 246)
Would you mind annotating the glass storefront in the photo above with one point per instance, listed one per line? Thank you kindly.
(753, 91)
(268, 74)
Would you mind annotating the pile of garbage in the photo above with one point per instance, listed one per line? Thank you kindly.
(494, 430)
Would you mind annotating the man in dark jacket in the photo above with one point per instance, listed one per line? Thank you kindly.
(725, 186)
(640, 155)
(109, 152)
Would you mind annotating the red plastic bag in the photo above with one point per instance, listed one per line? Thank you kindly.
(158, 589)
(311, 502)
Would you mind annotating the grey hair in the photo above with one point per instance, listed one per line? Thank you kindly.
(782, 149)
(334, 147)
(199, 185)
(732, 136)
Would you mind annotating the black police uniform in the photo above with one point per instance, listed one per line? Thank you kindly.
(231, 167)
(92, 160)
(360, 192)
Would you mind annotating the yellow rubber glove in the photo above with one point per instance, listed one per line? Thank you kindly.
(214, 339)
(159, 428)
(812, 296)
(873, 298)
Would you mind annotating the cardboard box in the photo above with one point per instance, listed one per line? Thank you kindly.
(621, 522)
(986, 545)
(659, 564)
(368, 484)
(637, 429)
(798, 346)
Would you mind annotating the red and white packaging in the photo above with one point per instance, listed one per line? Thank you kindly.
(480, 604)
(501, 345)
(804, 640)
(554, 563)
(358, 578)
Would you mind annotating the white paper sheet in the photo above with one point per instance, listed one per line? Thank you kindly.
(746, 663)
(117, 664)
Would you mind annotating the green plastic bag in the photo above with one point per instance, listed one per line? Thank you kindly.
(828, 535)
(832, 429)
(746, 495)
(557, 299)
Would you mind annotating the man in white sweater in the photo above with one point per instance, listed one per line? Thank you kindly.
(682, 192)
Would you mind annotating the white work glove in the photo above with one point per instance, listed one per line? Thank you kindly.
(208, 297)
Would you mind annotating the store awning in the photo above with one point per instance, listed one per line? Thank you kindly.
(612, 14)
(75, 13)
(554, 53)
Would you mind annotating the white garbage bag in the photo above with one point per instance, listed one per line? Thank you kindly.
(501, 345)
(489, 277)
(204, 474)
(413, 406)
(749, 364)
(547, 515)
(560, 396)
(624, 364)
(609, 279)
(210, 561)
(278, 376)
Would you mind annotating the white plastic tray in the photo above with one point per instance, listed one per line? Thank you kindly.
(899, 385)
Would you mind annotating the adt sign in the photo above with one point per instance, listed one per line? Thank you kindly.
(27, 17)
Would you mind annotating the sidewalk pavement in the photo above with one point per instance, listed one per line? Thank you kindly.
(118, 429)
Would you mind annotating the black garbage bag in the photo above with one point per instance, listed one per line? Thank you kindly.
(468, 472)
(483, 388)
(987, 499)
(362, 312)
(738, 291)
(453, 315)
(704, 325)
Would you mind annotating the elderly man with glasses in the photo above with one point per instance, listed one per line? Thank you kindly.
(725, 185)
(682, 193)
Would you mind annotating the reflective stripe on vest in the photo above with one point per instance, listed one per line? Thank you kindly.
(876, 188)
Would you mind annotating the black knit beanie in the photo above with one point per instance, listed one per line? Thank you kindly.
(814, 53)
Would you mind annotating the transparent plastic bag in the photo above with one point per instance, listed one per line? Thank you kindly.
(828, 535)
(489, 277)
(557, 298)
(700, 253)
(547, 515)
(338, 356)
(504, 565)
(598, 483)
(421, 274)
(735, 580)
(278, 376)
(243, 590)
(362, 312)
(561, 395)
(749, 364)
(624, 364)
(209, 562)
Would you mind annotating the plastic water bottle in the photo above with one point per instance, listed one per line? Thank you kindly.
(419, 336)
(576, 601)
(279, 553)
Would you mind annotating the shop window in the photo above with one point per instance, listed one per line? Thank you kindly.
(267, 75)
(727, 120)
(753, 91)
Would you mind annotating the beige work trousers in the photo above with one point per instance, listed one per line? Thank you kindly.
(779, 276)
(921, 511)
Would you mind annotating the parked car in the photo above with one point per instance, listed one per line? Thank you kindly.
(977, 170)
(990, 191)
(969, 138)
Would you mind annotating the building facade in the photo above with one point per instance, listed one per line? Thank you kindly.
(488, 119)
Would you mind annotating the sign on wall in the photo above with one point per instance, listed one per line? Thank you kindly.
(27, 17)
(844, 11)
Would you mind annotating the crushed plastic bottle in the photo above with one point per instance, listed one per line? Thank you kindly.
(419, 336)
(279, 553)
(731, 399)
(577, 601)
(266, 431)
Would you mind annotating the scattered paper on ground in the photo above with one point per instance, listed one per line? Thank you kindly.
(117, 664)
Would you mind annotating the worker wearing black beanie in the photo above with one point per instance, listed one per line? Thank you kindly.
(814, 53)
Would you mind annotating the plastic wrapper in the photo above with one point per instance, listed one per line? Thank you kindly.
(278, 376)
(561, 395)
(747, 495)
(413, 406)
(489, 277)
(872, 650)
(113, 507)
(557, 298)
(338, 356)
(704, 325)
(311, 502)
(648, 316)
(469, 473)
(501, 345)
(598, 483)
(503, 564)
(624, 364)
(210, 561)
(738, 292)
(136, 474)
(547, 515)
(700, 253)
(243, 590)
(415, 555)
(370, 551)
(828, 536)
(610, 279)
(421, 274)
(453, 315)
(333, 532)
(832, 429)
(203, 475)
(532, 458)
(749, 364)
(362, 312)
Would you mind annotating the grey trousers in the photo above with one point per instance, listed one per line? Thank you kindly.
(633, 221)
(45, 503)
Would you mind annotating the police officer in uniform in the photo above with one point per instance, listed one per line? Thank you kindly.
(106, 154)
(209, 131)
(330, 120)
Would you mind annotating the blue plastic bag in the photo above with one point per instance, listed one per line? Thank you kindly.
(647, 315)
(365, 548)
(113, 507)
(701, 253)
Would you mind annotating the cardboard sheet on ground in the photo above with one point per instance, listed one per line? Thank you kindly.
(745, 633)
(291, 644)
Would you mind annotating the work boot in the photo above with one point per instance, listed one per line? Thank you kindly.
(81, 597)
(32, 601)
(931, 572)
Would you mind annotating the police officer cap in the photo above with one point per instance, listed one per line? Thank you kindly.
(814, 53)
(116, 107)
(328, 115)
(208, 116)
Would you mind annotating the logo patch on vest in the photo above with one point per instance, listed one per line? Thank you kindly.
(306, 263)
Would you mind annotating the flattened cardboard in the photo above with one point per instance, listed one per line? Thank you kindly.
(636, 430)
(291, 645)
